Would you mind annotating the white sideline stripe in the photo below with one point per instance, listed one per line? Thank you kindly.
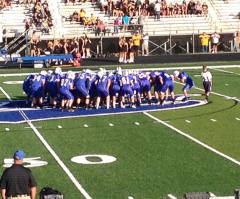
(5, 93)
(52, 152)
(141, 69)
(193, 139)
(225, 71)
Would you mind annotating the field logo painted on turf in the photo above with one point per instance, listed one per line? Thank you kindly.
(27, 162)
(98, 159)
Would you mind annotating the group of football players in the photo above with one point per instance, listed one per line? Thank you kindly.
(118, 88)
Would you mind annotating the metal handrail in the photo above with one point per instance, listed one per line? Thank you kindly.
(14, 40)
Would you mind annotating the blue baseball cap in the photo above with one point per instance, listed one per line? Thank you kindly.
(19, 155)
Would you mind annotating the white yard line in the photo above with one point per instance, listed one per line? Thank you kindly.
(218, 94)
(225, 71)
(141, 69)
(193, 139)
(51, 151)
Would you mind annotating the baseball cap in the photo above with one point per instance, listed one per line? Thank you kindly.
(19, 155)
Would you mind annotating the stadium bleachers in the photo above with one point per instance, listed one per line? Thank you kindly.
(223, 17)
(228, 14)
(12, 19)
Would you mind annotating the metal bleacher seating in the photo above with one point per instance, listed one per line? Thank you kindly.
(223, 17)
(228, 14)
(12, 19)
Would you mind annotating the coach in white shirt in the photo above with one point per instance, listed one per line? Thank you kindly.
(207, 81)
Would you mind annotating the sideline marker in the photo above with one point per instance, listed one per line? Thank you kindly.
(137, 123)
(213, 120)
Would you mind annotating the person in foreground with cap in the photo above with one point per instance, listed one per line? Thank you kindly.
(17, 182)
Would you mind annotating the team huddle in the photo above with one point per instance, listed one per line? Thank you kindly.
(110, 89)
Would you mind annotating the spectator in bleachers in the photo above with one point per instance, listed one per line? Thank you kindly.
(184, 8)
(170, 9)
(104, 6)
(82, 16)
(4, 3)
(163, 8)
(157, 9)
(117, 22)
(100, 28)
(126, 21)
(204, 9)
(74, 16)
(198, 8)
(145, 10)
(191, 7)
(138, 6)
(42, 18)
(28, 23)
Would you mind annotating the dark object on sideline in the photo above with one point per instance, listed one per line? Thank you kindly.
(50, 193)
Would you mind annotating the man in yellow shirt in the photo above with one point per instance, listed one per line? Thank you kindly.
(204, 38)
(136, 42)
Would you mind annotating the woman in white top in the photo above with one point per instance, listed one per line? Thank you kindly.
(207, 81)
(215, 41)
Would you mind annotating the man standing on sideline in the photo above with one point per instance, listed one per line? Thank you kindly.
(207, 81)
(204, 38)
(17, 182)
(136, 42)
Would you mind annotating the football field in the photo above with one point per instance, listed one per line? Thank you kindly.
(142, 155)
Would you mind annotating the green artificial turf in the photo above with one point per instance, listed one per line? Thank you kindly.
(152, 160)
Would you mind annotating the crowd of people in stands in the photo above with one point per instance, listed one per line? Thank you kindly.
(4, 3)
(42, 19)
(130, 15)
(153, 8)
